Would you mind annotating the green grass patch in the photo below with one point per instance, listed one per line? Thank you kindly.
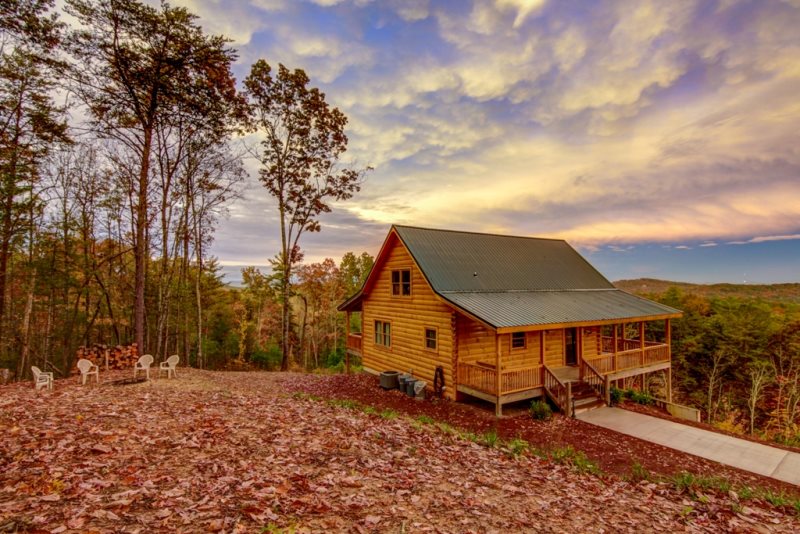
(425, 420)
(446, 428)
(518, 446)
(348, 404)
(685, 481)
(275, 529)
(490, 438)
(389, 414)
(299, 395)
(639, 472)
(578, 460)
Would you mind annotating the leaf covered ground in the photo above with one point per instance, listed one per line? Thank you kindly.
(238, 452)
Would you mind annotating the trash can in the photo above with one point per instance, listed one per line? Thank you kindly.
(419, 389)
(401, 381)
(410, 386)
(389, 379)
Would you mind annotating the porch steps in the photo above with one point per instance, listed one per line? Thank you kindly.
(585, 398)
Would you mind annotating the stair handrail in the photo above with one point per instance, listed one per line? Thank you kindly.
(598, 382)
(556, 390)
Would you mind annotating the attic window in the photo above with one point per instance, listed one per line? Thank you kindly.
(401, 282)
(518, 340)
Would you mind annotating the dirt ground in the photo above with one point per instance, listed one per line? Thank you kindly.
(255, 452)
(614, 452)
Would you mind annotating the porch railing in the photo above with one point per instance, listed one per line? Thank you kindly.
(354, 342)
(477, 377)
(598, 382)
(513, 380)
(484, 378)
(607, 344)
(608, 362)
(559, 392)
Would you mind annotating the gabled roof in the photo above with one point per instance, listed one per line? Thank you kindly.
(511, 282)
(466, 261)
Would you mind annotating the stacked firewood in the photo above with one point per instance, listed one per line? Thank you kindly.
(119, 357)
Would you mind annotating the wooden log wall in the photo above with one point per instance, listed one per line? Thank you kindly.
(119, 357)
(554, 348)
(591, 342)
(475, 341)
(525, 357)
(409, 317)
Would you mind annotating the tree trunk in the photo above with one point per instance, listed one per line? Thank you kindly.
(26, 328)
(140, 247)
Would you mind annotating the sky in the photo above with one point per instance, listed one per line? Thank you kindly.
(660, 138)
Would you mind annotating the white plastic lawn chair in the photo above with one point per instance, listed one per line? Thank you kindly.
(40, 379)
(170, 366)
(87, 368)
(143, 364)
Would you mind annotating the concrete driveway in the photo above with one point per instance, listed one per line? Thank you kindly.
(754, 457)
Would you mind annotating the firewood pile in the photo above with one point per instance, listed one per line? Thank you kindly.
(119, 357)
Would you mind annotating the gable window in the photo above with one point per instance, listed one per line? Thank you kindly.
(431, 341)
(401, 282)
(383, 333)
(518, 340)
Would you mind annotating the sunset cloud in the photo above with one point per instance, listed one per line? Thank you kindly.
(609, 123)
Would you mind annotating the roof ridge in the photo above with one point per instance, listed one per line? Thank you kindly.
(491, 234)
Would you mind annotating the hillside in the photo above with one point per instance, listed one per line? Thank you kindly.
(237, 452)
(772, 292)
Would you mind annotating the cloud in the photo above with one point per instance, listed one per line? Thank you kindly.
(604, 123)
(765, 239)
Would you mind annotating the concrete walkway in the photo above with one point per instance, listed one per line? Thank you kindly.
(747, 455)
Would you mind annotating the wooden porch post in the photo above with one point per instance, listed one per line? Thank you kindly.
(498, 408)
(579, 350)
(347, 343)
(615, 347)
(641, 344)
(542, 337)
(668, 331)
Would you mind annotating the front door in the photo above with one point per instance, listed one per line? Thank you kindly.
(571, 346)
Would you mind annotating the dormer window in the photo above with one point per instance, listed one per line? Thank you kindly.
(401, 282)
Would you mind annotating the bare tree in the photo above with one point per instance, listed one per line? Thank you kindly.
(303, 141)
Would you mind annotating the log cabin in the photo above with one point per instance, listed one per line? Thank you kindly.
(504, 319)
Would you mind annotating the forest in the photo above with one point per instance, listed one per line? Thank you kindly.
(123, 137)
(737, 358)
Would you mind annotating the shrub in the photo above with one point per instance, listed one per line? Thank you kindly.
(490, 438)
(641, 397)
(540, 410)
(616, 395)
(269, 359)
(640, 472)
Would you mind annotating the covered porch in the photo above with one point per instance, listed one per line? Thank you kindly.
(622, 350)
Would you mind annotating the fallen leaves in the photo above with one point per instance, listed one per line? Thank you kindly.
(232, 452)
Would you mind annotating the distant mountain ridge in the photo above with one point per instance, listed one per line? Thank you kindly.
(775, 292)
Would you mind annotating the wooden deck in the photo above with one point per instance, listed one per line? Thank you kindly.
(480, 379)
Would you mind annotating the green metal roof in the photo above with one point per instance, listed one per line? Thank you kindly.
(528, 308)
(508, 281)
(465, 261)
